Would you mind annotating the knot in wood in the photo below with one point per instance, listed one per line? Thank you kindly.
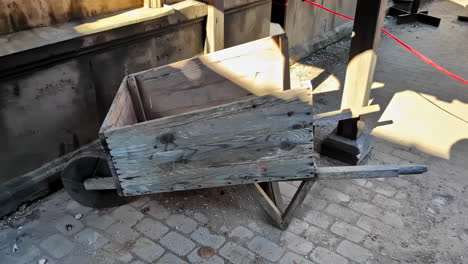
(287, 145)
(167, 138)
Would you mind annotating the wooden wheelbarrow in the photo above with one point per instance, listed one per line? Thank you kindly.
(226, 118)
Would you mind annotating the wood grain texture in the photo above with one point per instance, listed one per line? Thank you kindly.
(357, 172)
(103, 183)
(266, 138)
(215, 26)
(121, 112)
(213, 79)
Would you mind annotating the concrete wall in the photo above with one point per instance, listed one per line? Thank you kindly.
(54, 97)
(310, 28)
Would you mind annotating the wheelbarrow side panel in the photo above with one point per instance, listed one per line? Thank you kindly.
(254, 140)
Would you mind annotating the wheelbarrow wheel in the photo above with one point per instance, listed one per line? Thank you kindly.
(82, 168)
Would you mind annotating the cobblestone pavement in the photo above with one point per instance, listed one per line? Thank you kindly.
(412, 219)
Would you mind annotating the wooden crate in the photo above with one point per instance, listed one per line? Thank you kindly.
(221, 119)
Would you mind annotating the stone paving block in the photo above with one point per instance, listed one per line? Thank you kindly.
(318, 219)
(297, 226)
(155, 209)
(360, 182)
(296, 243)
(366, 208)
(287, 189)
(127, 214)
(151, 228)
(113, 252)
(266, 230)
(75, 225)
(57, 246)
(334, 195)
(385, 157)
(348, 231)
(353, 190)
(203, 236)
(408, 156)
(76, 208)
(91, 238)
(122, 233)
(373, 225)
(385, 202)
(291, 258)
(324, 256)
(236, 254)
(321, 237)
(177, 243)
(354, 252)
(124, 257)
(25, 254)
(147, 249)
(168, 258)
(79, 259)
(196, 259)
(392, 219)
(182, 223)
(265, 248)
(381, 187)
(342, 212)
(99, 221)
(314, 203)
(401, 195)
(201, 218)
(241, 233)
(399, 182)
(139, 201)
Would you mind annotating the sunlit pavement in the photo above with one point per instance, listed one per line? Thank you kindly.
(412, 219)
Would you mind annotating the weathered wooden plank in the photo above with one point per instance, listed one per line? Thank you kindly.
(214, 78)
(267, 203)
(248, 137)
(102, 183)
(296, 201)
(215, 26)
(121, 112)
(132, 87)
(178, 177)
(367, 171)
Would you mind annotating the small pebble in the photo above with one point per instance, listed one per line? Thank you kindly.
(42, 261)
(78, 216)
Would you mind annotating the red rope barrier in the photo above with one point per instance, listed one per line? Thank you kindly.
(419, 55)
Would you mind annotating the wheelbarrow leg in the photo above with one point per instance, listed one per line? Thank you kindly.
(273, 191)
(282, 219)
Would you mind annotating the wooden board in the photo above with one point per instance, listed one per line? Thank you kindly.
(261, 139)
(121, 112)
(214, 79)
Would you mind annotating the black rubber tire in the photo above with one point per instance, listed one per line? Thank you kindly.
(80, 169)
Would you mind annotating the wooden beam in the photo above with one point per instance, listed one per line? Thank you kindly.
(102, 183)
(267, 204)
(215, 26)
(153, 3)
(367, 28)
(296, 201)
